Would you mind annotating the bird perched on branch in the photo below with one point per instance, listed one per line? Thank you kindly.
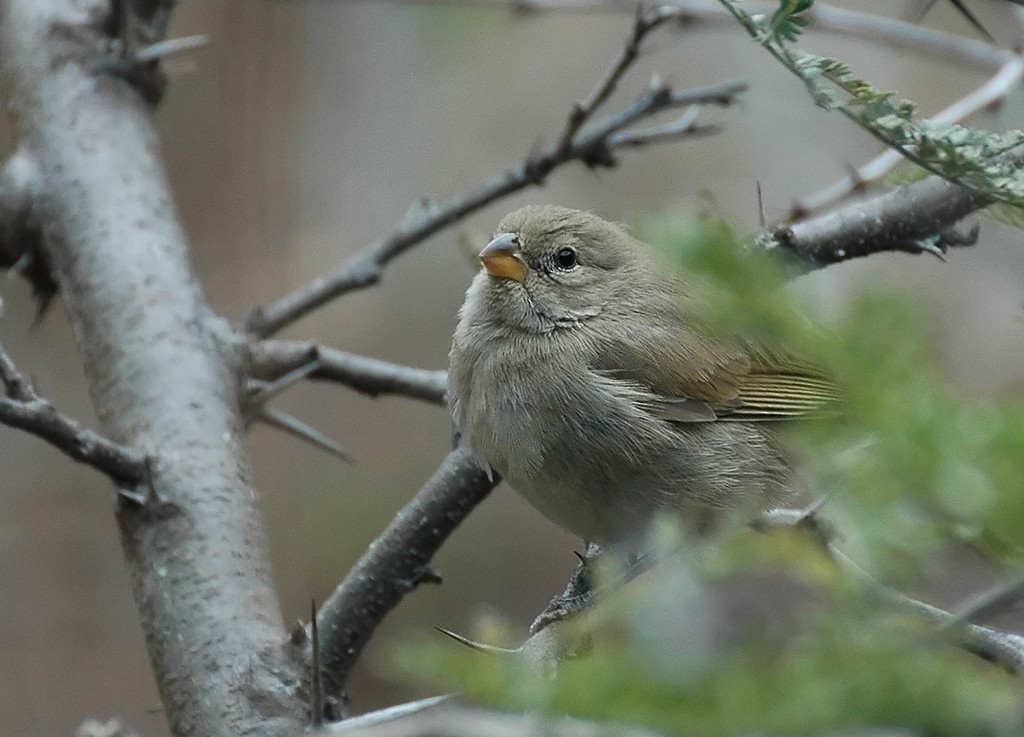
(581, 372)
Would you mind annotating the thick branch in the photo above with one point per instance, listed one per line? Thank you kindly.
(397, 562)
(162, 374)
(23, 408)
(904, 219)
(592, 145)
(271, 359)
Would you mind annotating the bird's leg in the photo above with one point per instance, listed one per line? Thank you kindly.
(577, 596)
(580, 593)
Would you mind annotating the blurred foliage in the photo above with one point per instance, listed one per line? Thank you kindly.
(908, 467)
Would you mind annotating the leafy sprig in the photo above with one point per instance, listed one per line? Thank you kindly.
(967, 156)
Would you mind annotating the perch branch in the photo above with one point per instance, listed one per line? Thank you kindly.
(593, 145)
(913, 218)
(23, 408)
(397, 562)
(271, 359)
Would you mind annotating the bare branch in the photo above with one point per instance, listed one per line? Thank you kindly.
(1000, 647)
(271, 359)
(869, 27)
(22, 408)
(591, 145)
(397, 562)
(988, 603)
(908, 219)
(644, 22)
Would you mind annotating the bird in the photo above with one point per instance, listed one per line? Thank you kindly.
(582, 372)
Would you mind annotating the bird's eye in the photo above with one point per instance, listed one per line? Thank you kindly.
(565, 259)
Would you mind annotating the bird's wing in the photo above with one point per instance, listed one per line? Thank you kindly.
(697, 379)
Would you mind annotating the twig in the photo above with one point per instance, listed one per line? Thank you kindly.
(271, 359)
(988, 603)
(21, 407)
(990, 93)
(397, 562)
(590, 145)
(1000, 647)
(644, 22)
(870, 27)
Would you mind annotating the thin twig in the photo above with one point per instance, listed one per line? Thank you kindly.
(644, 22)
(988, 603)
(591, 145)
(869, 27)
(271, 359)
(21, 407)
(1000, 647)
(397, 562)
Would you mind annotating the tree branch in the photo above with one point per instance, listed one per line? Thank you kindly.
(906, 219)
(162, 372)
(397, 562)
(24, 409)
(271, 359)
(1000, 647)
(871, 27)
(594, 146)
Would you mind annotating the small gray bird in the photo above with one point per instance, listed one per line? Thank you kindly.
(580, 372)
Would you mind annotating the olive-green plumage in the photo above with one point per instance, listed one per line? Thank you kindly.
(581, 373)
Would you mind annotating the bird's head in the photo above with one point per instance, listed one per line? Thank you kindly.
(550, 267)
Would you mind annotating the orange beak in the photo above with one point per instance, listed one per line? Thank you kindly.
(502, 260)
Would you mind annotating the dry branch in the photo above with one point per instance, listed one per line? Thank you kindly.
(271, 359)
(23, 408)
(397, 562)
(591, 143)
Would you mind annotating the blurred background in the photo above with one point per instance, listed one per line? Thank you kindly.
(302, 132)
